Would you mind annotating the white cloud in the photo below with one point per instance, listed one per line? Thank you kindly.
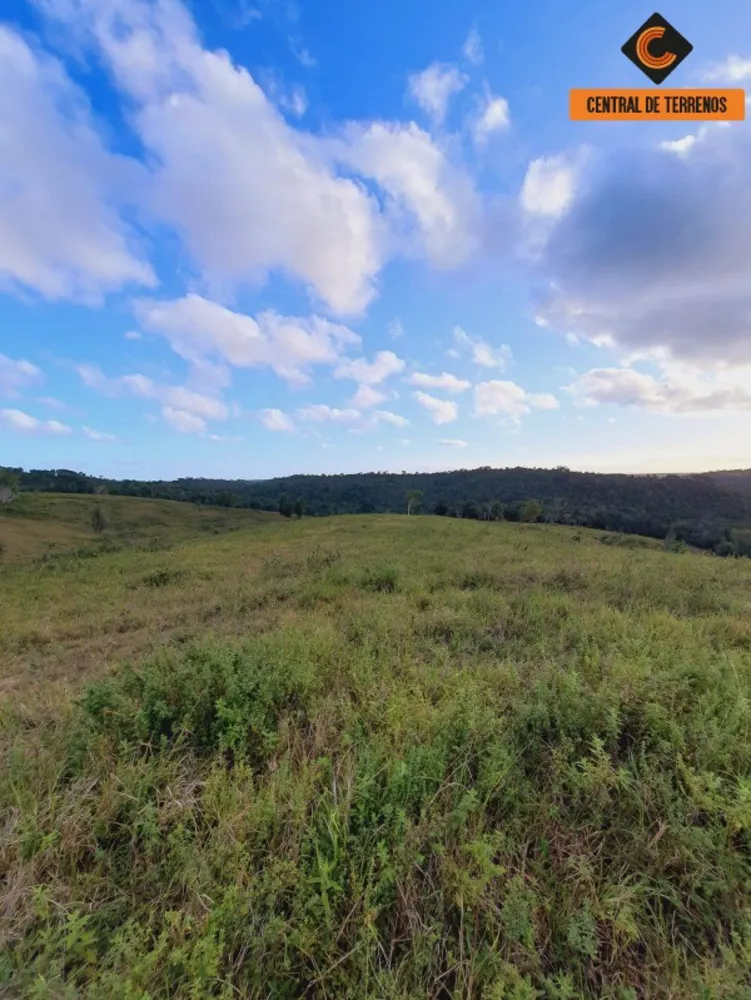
(434, 87)
(193, 402)
(395, 329)
(200, 329)
(60, 232)
(442, 411)
(543, 401)
(21, 421)
(133, 335)
(293, 100)
(505, 398)
(431, 207)
(182, 421)
(15, 375)
(274, 203)
(276, 420)
(320, 413)
(300, 53)
(472, 47)
(367, 397)
(734, 69)
(492, 116)
(358, 421)
(54, 404)
(183, 408)
(384, 364)
(326, 211)
(454, 443)
(680, 391)
(98, 435)
(681, 147)
(548, 186)
(482, 352)
(445, 381)
(387, 417)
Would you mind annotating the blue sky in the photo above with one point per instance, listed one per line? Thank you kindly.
(248, 239)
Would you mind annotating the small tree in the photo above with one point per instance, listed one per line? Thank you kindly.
(98, 520)
(9, 483)
(285, 506)
(530, 511)
(471, 509)
(299, 507)
(441, 509)
(496, 511)
(413, 500)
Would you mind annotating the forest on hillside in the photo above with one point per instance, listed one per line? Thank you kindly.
(698, 510)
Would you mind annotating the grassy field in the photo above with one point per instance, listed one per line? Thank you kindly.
(49, 524)
(377, 758)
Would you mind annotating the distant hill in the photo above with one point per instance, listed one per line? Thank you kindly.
(708, 510)
(43, 524)
(736, 479)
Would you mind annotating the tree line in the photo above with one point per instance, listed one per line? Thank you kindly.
(698, 510)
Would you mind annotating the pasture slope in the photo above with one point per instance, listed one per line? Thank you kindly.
(48, 524)
(376, 758)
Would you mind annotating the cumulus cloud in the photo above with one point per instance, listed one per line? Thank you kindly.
(387, 417)
(273, 203)
(454, 443)
(681, 392)
(445, 381)
(95, 435)
(548, 186)
(183, 421)
(492, 116)
(320, 412)
(16, 375)
(199, 330)
(431, 205)
(503, 398)
(276, 420)
(357, 421)
(734, 69)
(373, 372)
(442, 411)
(184, 409)
(654, 252)
(20, 421)
(472, 48)
(324, 211)
(434, 87)
(60, 231)
(367, 397)
(481, 352)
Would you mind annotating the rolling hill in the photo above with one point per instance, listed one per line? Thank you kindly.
(48, 524)
(702, 510)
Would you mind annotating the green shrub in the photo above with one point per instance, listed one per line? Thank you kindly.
(382, 578)
(207, 698)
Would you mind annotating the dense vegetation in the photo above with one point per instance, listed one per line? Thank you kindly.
(377, 758)
(697, 509)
